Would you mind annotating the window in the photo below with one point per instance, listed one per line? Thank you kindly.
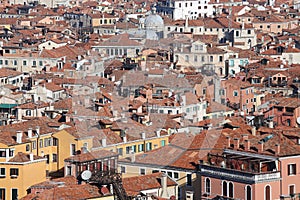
(41, 143)
(268, 192)
(47, 142)
(231, 190)
(2, 153)
(195, 58)
(189, 179)
(207, 186)
(2, 193)
(27, 147)
(14, 194)
(54, 157)
(163, 143)
(14, 172)
(142, 171)
(176, 175)
(249, 32)
(268, 26)
(55, 141)
(40, 63)
(5, 62)
(48, 158)
(33, 63)
(28, 112)
(291, 169)
(120, 151)
(24, 62)
(140, 147)
(211, 58)
(149, 146)
(248, 193)
(237, 33)
(235, 93)
(291, 190)
(220, 58)
(179, 5)
(1, 62)
(186, 58)
(224, 188)
(128, 149)
(123, 169)
(278, 26)
(2, 172)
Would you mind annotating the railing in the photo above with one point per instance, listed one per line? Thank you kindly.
(238, 176)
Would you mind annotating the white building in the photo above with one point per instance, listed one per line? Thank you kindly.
(179, 9)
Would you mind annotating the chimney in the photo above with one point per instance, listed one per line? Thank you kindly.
(31, 156)
(143, 135)
(164, 192)
(236, 143)
(103, 142)
(124, 139)
(260, 147)
(19, 137)
(253, 131)
(247, 145)
(37, 129)
(277, 150)
(157, 133)
(271, 124)
(84, 150)
(228, 141)
(29, 132)
(132, 154)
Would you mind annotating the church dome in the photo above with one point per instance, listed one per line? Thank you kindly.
(154, 21)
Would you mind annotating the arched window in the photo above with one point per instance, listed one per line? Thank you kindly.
(224, 188)
(248, 193)
(231, 190)
(207, 186)
(268, 192)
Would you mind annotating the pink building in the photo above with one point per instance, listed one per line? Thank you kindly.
(263, 167)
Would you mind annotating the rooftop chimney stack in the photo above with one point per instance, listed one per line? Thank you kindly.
(29, 132)
(37, 129)
(260, 147)
(103, 142)
(277, 149)
(228, 141)
(132, 153)
(19, 137)
(143, 135)
(164, 192)
(31, 156)
(253, 131)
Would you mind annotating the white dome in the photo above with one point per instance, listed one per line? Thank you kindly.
(154, 21)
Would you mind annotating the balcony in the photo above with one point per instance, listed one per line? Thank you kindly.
(238, 176)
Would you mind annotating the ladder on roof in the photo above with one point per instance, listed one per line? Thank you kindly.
(110, 177)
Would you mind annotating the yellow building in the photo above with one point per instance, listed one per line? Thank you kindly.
(19, 173)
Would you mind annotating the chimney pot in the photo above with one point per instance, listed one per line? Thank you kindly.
(261, 147)
(277, 149)
(29, 132)
(103, 142)
(228, 142)
(19, 137)
(31, 156)
(253, 131)
(37, 129)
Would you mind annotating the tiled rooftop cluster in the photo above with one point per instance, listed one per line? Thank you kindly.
(149, 99)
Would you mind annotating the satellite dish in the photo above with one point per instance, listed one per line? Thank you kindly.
(86, 175)
(298, 120)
